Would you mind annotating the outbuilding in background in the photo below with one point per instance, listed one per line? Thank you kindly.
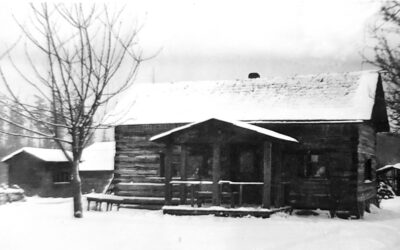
(47, 172)
(97, 167)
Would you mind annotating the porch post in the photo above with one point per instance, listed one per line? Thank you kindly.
(279, 195)
(182, 171)
(168, 166)
(266, 199)
(216, 173)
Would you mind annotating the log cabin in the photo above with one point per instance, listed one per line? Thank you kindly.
(305, 141)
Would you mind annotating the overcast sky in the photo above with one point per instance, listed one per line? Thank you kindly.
(206, 40)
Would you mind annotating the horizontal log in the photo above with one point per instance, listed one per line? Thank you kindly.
(138, 159)
(130, 178)
(147, 172)
(132, 171)
(137, 152)
(142, 144)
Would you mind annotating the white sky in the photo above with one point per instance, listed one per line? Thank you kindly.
(228, 39)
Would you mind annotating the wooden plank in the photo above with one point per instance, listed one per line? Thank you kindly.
(225, 212)
(168, 168)
(266, 199)
(216, 173)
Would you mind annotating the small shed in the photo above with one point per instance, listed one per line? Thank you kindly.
(40, 171)
(97, 167)
(388, 158)
(47, 172)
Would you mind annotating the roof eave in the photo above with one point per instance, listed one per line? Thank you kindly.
(262, 131)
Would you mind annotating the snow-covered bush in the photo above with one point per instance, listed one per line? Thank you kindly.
(10, 194)
(385, 191)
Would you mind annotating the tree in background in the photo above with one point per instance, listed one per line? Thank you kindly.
(41, 106)
(14, 143)
(3, 137)
(387, 56)
(89, 59)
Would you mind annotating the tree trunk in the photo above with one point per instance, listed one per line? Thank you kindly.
(76, 189)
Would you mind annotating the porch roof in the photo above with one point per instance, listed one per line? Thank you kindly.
(238, 124)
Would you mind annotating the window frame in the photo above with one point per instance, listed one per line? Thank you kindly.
(61, 177)
(311, 164)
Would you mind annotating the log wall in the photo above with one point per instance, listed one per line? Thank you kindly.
(366, 151)
(345, 146)
(137, 160)
(337, 145)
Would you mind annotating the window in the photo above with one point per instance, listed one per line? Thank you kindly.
(174, 166)
(61, 177)
(368, 170)
(314, 165)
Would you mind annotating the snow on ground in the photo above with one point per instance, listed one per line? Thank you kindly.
(46, 223)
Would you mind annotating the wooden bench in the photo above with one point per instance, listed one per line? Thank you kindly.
(110, 201)
(118, 201)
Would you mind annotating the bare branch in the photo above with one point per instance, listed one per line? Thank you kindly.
(84, 52)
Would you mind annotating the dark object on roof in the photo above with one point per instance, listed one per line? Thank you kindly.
(254, 75)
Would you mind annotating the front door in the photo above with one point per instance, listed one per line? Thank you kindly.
(246, 168)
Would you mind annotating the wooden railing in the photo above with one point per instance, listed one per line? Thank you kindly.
(193, 184)
(241, 184)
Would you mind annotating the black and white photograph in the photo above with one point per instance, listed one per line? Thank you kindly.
(200, 124)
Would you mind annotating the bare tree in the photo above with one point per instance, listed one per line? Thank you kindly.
(89, 58)
(387, 55)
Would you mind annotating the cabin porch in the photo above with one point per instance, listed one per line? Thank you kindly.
(225, 165)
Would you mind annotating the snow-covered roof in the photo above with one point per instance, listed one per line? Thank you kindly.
(44, 154)
(396, 166)
(326, 97)
(240, 124)
(98, 157)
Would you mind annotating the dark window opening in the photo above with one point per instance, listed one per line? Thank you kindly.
(368, 170)
(314, 165)
(61, 177)
(174, 166)
(199, 162)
